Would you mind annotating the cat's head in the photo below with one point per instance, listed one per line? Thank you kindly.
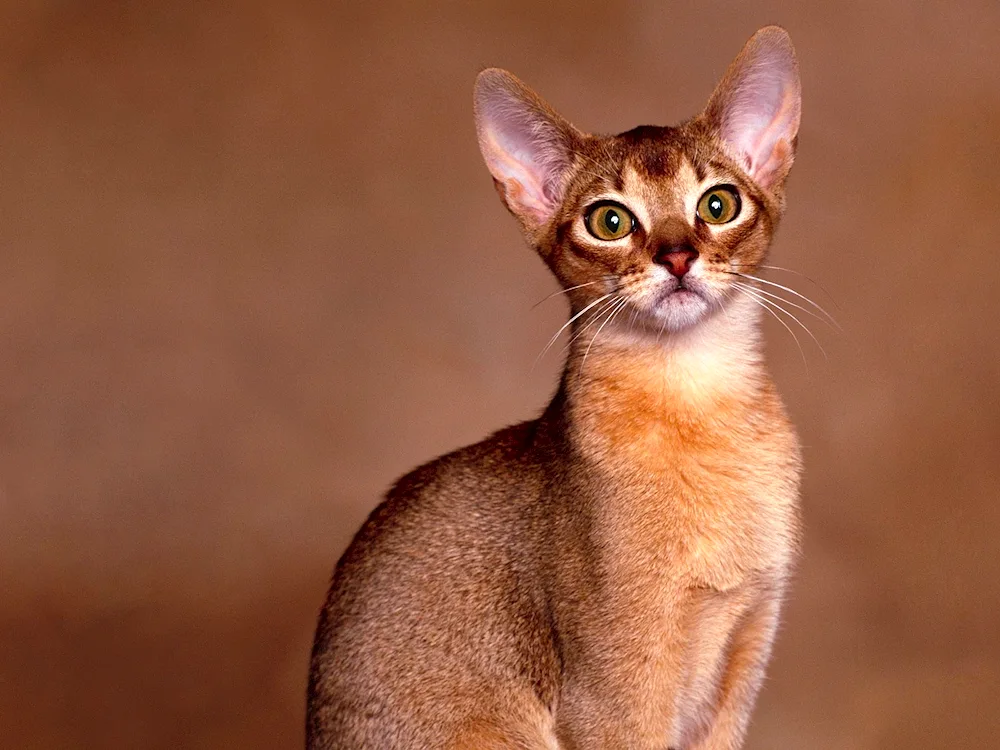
(655, 219)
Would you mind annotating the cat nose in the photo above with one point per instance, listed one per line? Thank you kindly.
(677, 259)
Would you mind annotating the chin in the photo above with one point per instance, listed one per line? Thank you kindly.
(681, 309)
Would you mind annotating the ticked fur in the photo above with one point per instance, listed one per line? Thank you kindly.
(609, 575)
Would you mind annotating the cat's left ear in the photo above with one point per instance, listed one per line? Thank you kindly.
(756, 107)
(527, 147)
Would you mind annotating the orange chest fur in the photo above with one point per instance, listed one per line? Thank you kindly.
(712, 498)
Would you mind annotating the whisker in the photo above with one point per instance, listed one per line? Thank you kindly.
(612, 312)
(565, 291)
(590, 159)
(602, 167)
(797, 273)
(594, 317)
(756, 294)
(806, 310)
(632, 319)
(603, 173)
(618, 311)
(591, 173)
(721, 306)
(663, 325)
(607, 320)
(564, 326)
(790, 291)
(787, 327)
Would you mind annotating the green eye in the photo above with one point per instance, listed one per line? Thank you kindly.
(610, 221)
(719, 205)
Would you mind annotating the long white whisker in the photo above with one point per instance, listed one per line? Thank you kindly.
(618, 311)
(631, 322)
(725, 312)
(787, 327)
(806, 310)
(797, 273)
(595, 316)
(615, 315)
(833, 320)
(565, 325)
(592, 161)
(610, 316)
(592, 173)
(607, 320)
(805, 328)
(565, 291)
(663, 326)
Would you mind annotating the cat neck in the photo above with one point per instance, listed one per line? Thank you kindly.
(631, 387)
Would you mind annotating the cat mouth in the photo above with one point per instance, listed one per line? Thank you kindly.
(680, 293)
(681, 306)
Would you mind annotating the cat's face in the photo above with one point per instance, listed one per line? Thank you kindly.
(658, 218)
(650, 226)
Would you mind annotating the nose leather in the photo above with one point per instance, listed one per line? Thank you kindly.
(678, 260)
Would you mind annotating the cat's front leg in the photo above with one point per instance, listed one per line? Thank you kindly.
(624, 669)
(744, 673)
(607, 722)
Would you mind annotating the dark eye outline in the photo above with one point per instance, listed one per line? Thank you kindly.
(733, 191)
(594, 207)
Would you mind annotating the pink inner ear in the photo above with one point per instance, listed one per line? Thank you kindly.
(519, 164)
(760, 107)
(523, 145)
(764, 113)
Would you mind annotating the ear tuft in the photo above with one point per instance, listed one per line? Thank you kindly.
(527, 147)
(757, 105)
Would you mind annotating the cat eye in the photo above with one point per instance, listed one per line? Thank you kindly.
(609, 221)
(719, 205)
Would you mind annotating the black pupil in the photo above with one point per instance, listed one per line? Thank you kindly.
(613, 221)
(715, 206)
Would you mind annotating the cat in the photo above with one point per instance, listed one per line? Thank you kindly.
(610, 574)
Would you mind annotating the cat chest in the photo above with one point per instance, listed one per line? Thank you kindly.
(706, 499)
(711, 521)
(720, 528)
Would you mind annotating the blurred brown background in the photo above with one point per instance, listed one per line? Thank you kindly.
(252, 269)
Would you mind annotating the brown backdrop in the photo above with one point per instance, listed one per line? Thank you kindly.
(252, 269)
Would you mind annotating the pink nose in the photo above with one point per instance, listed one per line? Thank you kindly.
(678, 260)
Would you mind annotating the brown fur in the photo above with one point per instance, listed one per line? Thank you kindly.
(610, 574)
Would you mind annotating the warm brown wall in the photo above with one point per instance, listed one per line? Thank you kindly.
(251, 269)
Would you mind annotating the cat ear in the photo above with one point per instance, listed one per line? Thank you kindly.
(756, 107)
(528, 148)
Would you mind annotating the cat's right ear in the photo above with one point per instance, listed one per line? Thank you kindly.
(527, 147)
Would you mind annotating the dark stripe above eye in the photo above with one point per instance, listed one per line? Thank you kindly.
(725, 174)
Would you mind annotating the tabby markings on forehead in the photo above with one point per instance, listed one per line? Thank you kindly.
(651, 198)
(690, 188)
(648, 196)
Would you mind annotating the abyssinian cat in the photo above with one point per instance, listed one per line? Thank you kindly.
(610, 574)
